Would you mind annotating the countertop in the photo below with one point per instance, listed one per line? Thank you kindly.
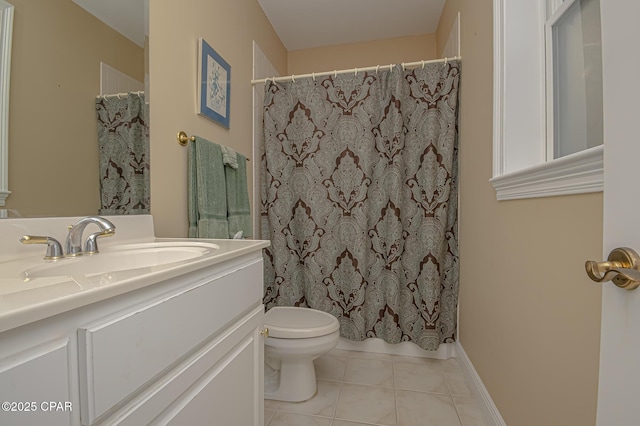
(24, 299)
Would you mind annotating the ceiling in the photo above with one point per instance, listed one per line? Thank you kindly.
(128, 17)
(303, 24)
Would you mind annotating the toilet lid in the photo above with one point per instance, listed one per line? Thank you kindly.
(288, 322)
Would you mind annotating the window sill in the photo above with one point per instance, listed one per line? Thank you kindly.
(574, 174)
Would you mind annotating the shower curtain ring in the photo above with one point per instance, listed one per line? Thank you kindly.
(313, 75)
(356, 71)
(293, 78)
(446, 60)
(403, 66)
(377, 68)
(335, 73)
(423, 64)
(391, 68)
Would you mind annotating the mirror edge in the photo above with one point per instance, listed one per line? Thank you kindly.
(6, 32)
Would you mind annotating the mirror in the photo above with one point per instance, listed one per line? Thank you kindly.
(6, 31)
(62, 56)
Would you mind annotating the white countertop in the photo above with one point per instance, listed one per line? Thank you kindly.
(24, 300)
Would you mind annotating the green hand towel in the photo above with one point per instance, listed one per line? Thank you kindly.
(206, 191)
(229, 157)
(239, 211)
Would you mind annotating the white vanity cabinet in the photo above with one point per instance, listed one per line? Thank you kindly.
(33, 378)
(184, 351)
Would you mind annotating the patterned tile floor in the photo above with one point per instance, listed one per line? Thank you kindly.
(360, 388)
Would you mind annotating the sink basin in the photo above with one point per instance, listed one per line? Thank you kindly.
(122, 257)
(32, 289)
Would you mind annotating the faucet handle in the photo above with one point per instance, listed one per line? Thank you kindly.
(54, 248)
(91, 245)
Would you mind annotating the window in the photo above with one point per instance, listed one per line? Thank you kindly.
(574, 78)
(547, 98)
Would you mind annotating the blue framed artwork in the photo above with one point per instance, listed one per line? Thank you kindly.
(214, 85)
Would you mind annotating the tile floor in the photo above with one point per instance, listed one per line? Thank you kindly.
(360, 388)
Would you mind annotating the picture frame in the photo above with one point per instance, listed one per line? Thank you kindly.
(214, 85)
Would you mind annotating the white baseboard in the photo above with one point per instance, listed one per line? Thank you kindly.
(490, 413)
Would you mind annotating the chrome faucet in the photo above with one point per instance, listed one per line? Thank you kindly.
(73, 244)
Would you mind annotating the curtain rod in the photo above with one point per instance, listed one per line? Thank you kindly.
(354, 70)
(119, 95)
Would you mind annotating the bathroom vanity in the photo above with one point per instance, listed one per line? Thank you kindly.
(157, 331)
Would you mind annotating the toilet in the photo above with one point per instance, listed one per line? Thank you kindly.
(296, 337)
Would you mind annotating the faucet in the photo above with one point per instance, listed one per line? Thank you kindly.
(74, 238)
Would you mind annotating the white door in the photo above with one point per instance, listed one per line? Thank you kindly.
(618, 399)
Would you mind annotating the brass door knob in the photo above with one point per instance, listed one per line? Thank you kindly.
(265, 332)
(622, 268)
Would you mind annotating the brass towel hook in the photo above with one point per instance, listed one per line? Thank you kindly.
(622, 268)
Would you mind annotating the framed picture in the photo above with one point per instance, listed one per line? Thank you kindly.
(214, 85)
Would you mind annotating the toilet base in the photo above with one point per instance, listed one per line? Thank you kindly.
(297, 382)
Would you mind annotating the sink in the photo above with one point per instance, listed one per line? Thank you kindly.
(32, 289)
(122, 257)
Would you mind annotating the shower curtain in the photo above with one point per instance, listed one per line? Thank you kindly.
(123, 144)
(359, 200)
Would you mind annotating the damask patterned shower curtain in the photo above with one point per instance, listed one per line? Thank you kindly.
(123, 144)
(359, 200)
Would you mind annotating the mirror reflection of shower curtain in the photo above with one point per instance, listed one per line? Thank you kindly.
(359, 201)
(123, 141)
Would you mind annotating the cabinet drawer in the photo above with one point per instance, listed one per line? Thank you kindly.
(119, 355)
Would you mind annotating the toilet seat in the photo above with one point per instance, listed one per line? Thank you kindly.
(287, 322)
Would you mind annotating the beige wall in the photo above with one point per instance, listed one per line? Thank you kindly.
(366, 54)
(529, 316)
(175, 27)
(55, 76)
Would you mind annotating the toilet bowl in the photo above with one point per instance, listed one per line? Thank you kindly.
(296, 337)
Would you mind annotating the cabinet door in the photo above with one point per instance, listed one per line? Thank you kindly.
(231, 392)
(34, 386)
(123, 354)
